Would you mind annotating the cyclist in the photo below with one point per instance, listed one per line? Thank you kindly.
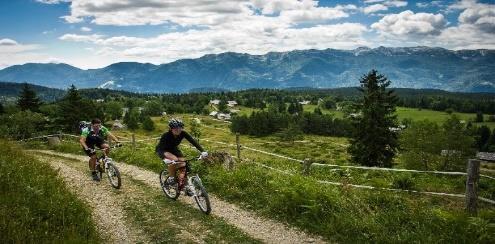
(92, 136)
(167, 148)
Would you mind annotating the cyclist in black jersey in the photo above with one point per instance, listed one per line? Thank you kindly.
(167, 148)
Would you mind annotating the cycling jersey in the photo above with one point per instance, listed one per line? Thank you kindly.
(103, 132)
(94, 138)
(169, 143)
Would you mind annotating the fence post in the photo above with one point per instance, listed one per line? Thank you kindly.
(473, 175)
(306, 166)
(238, 146)
(133, 141)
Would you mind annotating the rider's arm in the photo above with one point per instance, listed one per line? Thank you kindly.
(82, 141)
(106, 133)
(193, 142)
(114, 138)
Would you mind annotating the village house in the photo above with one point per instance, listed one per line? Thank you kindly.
(214, 102)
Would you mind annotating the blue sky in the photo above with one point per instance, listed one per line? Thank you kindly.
(96, 33)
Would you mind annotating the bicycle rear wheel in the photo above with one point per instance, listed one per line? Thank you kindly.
(171, 191)
(200, 195)
(113, 174)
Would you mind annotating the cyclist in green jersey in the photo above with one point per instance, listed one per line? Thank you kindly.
(92, 136)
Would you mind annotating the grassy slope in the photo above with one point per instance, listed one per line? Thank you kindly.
(35, 205)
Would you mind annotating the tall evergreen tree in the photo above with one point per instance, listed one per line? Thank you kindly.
(133, 122)
(482, 137)
(491, 143)
(28, 100)
(292, 108)
(374, 142)
(74, 108)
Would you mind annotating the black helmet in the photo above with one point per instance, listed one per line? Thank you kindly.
(175, 123)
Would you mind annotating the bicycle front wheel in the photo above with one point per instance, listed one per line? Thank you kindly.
(200, 195)
(113, 174)
(170, 190)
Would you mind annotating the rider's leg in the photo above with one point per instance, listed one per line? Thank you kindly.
(92, 163)
(171, 167)
(182, 170)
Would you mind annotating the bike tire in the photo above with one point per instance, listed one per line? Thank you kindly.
(113, 174)
(201, 196)
(170, 191)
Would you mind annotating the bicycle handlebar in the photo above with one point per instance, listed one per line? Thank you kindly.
(184, 161)
(114, 146)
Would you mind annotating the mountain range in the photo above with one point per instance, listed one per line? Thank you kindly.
(408, 67)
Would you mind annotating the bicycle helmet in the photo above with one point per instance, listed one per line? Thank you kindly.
(175, 123)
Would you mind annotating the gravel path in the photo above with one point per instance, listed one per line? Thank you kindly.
(257, 227)
(106, 212)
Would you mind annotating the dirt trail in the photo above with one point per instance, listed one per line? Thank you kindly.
(106, 212)
(261, 228)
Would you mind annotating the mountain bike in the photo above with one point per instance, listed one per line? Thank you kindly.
(109, 168)
(198, 191)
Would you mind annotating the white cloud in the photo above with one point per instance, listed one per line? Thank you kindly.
(476, 28)
(254, 27)
(80, 38)
(9, 46)
(85, 29)
(408, 23)
(13, 52)
(428, 4)
(374, 8)
(201, 12)
(253, 39)
(8, 42)
(382, 5)
(480, 15)
(466, 37)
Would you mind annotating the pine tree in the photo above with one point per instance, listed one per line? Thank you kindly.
(2, 109)
(490, 145)
(74, 108)
(28, 100)
(148, 124)
(373, 143)
(482, 137)
(292, 108)
(133, 121)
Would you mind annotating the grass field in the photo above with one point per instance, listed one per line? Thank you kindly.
(402, 113)
(416, 115)
(35, 204)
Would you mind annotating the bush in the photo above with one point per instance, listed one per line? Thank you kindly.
(404, 182)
